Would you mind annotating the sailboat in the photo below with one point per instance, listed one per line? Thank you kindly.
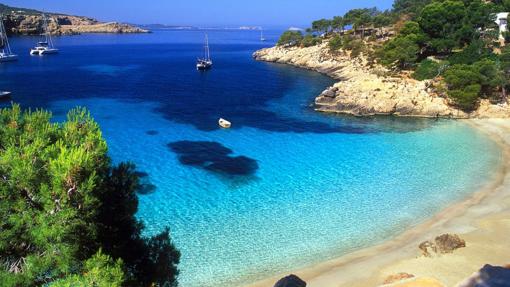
(205, 63)
(45, 46)
(5, 50)
(262, 39)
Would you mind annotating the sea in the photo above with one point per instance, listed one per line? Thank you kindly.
(285, 187)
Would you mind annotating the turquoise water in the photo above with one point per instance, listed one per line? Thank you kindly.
(285, 187)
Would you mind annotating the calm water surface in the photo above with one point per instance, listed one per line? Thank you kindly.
(285, 187)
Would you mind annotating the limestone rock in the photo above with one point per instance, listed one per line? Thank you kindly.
(363, 90)
(23, 24)
(493, 276)
(290, 281)
(442, 244)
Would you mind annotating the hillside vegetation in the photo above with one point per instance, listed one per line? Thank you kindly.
(455, 43)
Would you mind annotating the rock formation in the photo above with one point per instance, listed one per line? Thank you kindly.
(290, 281)
(442, 244)
(489, 275)
(365, 90)
(24, 24)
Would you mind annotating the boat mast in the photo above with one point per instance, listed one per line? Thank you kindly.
(4, 42)
(46, 31)
(207, 54)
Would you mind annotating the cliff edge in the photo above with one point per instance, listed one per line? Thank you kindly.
(364, 90)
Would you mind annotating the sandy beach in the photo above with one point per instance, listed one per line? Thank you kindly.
(482, 220)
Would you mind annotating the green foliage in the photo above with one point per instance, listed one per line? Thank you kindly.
(410, 28)
(401, 52)
(491, 76)
(427, 69)
(463, 80)
(461, 75)
(474, 52)
(58, 193)
(410, 7)
(100, 270)
(355, 46)
(120, 235)
(465, 97)
(290, 38)
(441, 21)
(338, 23)
(335, 43)
(310, 40)
(321, 26)
(360, 17)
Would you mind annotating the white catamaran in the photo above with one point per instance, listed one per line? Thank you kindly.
(45, 46)
(205, 63)
(5, 50)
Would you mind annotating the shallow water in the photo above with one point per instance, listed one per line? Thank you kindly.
(285, 187)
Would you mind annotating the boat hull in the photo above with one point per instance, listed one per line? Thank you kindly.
(8, 58)
(5, 95)
(203, 67)
(41, 52)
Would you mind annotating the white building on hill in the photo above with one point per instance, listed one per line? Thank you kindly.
(501, 20)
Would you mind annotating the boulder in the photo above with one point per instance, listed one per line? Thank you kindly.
(488, 276)
(446, 243)
(442, 244)
(290, 281)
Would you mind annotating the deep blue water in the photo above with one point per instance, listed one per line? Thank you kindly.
(286, 187)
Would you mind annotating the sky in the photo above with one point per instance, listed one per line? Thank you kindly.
(203, 12)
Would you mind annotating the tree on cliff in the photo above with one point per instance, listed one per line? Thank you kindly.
(67, 215)
(409, 7)
(290, 38)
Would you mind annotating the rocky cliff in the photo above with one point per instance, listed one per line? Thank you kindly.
(365, 89)
(31, 24)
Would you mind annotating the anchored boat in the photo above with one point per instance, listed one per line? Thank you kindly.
(44, 47)
(224, 123)
(5, 95)
(205, 63)
(6, 54)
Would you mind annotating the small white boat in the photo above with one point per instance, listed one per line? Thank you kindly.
(262, 39)
(6, 54)
(224, 123)
(5, 94)
(44, 47)
(205, 63)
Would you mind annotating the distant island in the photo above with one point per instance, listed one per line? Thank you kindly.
(22, 21)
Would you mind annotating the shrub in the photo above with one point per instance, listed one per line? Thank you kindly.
(310, 40)
(467, 97)
(427, 69)
(401, 52)
(290, 38)
(335, 43)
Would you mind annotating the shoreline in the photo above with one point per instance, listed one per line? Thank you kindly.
(480, 220)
